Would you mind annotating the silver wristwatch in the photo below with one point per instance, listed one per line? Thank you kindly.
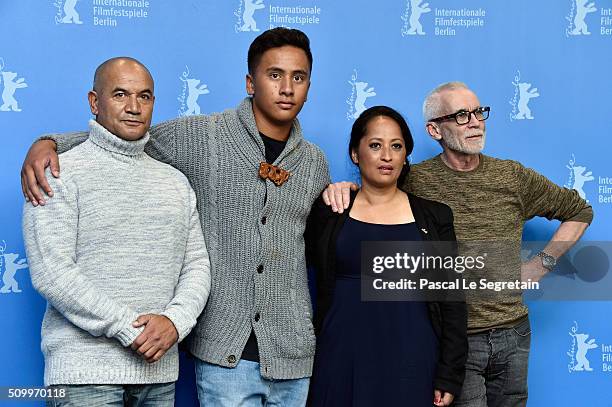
(548, 261)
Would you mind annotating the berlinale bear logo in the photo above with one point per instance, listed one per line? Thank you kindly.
(66, 12)
(526, 93)
(577, 24)
(10, 85)
(578, 177)
(359, 94)
(578, 351)
(190, 94)
(245, 12)
(523, 93)
(9, 265)
(412, 17)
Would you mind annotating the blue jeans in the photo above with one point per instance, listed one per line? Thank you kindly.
(133, 395)
(243, 386)
(496, 369)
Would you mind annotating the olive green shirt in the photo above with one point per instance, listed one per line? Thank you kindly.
(491, 203)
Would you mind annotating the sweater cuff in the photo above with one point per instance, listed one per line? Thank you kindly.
(50, 137)
(62, 144)
(449, 386)
(585, 216)
(182, 325)
(128, 333)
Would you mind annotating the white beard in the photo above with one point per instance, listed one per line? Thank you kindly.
(462, 146)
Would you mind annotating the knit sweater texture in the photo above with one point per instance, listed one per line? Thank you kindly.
(254, 233)
(120, 237)
(491, 204)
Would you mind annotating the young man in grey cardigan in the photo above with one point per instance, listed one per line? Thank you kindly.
(255, 178)
(119, 254)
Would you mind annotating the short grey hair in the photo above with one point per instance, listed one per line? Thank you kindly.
(432, 106)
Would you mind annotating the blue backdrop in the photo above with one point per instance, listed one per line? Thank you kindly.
(543, 67)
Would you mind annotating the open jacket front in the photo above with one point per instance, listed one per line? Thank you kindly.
(449, 319)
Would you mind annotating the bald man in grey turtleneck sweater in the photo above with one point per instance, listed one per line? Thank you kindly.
(119, 254)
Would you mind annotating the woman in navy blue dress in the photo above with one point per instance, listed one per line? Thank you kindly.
(380, 353)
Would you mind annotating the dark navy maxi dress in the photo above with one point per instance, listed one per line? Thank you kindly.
(372, 353)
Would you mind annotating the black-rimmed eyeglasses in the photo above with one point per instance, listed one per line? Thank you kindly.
(464, 116)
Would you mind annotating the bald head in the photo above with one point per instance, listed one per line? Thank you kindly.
(122, 98)
(111, 65)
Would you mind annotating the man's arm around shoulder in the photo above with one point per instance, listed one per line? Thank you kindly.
(44, 153)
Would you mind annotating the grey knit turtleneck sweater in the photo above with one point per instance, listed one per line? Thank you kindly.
(254, 232)
(120, 237)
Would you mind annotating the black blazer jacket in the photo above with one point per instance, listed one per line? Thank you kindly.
(449, 319)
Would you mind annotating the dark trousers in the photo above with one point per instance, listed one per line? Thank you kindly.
(496, 370)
